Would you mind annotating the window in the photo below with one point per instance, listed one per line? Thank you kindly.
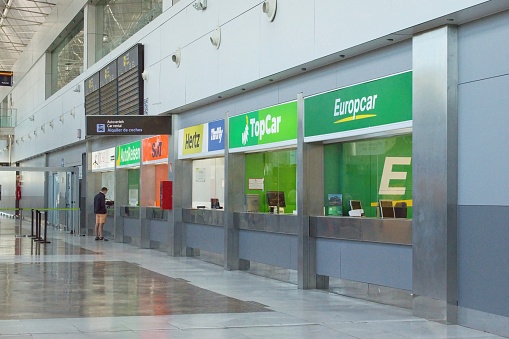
(208, 182)
(272, 172)
(117, 20)
(67, 59)
(369, 171)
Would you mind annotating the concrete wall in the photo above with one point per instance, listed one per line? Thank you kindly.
(483, 199)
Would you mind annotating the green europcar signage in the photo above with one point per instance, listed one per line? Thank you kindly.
(373, 106)
(269, 127)
(129, 154)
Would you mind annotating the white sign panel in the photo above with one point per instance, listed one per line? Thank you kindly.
(255, 184)
(103, 160)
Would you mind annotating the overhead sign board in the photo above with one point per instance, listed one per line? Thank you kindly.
(103, 160)
(129, 155)
(128, 124)
(270, 127)
(374, 106)
(6, 78)
(201, 140)
(155, 149)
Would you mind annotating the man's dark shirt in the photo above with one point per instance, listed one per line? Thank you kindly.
(100, 203)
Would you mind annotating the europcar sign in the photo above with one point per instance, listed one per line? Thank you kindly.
(373, 106)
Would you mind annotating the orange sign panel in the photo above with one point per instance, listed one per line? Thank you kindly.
(155, 149)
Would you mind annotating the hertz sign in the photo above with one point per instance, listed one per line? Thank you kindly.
(5, 78)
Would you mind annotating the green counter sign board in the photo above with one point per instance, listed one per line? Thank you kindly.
(270, 127)
(374, 106)
(129, 154)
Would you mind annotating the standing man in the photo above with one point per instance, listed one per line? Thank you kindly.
(100, 213)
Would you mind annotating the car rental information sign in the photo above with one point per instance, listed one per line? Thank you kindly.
(128, 124)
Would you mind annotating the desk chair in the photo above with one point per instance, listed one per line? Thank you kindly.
(386, 209)
(400, 210)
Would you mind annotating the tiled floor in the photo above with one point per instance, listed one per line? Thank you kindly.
(76, 287)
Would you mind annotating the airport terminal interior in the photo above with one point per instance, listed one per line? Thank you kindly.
(76, 287)
(273, 168)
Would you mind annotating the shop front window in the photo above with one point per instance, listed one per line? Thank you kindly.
(271, 181)
(374, 176)
(208, 183)
(118, 20)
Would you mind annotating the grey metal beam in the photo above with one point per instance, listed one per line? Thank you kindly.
(39, 169)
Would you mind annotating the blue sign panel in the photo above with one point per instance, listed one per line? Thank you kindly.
(216, 140)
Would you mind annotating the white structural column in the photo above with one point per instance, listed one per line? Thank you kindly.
(90, 35)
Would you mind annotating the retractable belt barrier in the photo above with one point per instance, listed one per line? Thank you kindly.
(37, 218)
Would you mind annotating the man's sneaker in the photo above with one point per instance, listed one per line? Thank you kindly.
(97, 238)
(102, 238)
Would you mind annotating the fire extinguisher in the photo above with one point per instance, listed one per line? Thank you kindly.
(18, 192)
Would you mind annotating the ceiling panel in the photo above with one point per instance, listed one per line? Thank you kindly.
(19, 21)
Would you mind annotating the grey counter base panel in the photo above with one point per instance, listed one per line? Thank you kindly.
(159, 231)
(204, 237)
(132, 231)
(210, 257)
(273, 272)
(483, 321)
(374, 263)
(269, 248)
(380, 294)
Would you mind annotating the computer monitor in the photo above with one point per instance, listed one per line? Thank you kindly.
(276, 198)
(355, 205)
(214, 203)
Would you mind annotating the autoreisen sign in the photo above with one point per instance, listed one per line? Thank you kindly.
(128, 124)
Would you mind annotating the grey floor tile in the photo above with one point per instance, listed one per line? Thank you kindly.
(144, 309)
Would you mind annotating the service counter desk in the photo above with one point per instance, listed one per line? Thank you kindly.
(204, 230)
(109, 226)
(367, 250)
(145, 227)
(268, 238)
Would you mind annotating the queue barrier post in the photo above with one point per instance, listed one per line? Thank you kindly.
(32, 235)
(37, 226)
(45, 241)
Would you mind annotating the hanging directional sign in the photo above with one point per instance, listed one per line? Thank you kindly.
(128, 124)
(5, 78)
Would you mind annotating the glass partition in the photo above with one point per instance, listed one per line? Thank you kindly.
(67, 59)
(133, 182)
(208, 183)
(371, 178)
(152, 175)
(117, 20)
(271, 179)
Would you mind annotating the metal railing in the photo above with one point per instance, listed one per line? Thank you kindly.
(8, 117)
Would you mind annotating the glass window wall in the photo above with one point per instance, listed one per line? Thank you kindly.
(373, 175)
(67, 59)
(117, 20)
(271, 179)
(208, 183)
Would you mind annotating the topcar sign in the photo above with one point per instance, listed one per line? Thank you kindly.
(128, 124)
